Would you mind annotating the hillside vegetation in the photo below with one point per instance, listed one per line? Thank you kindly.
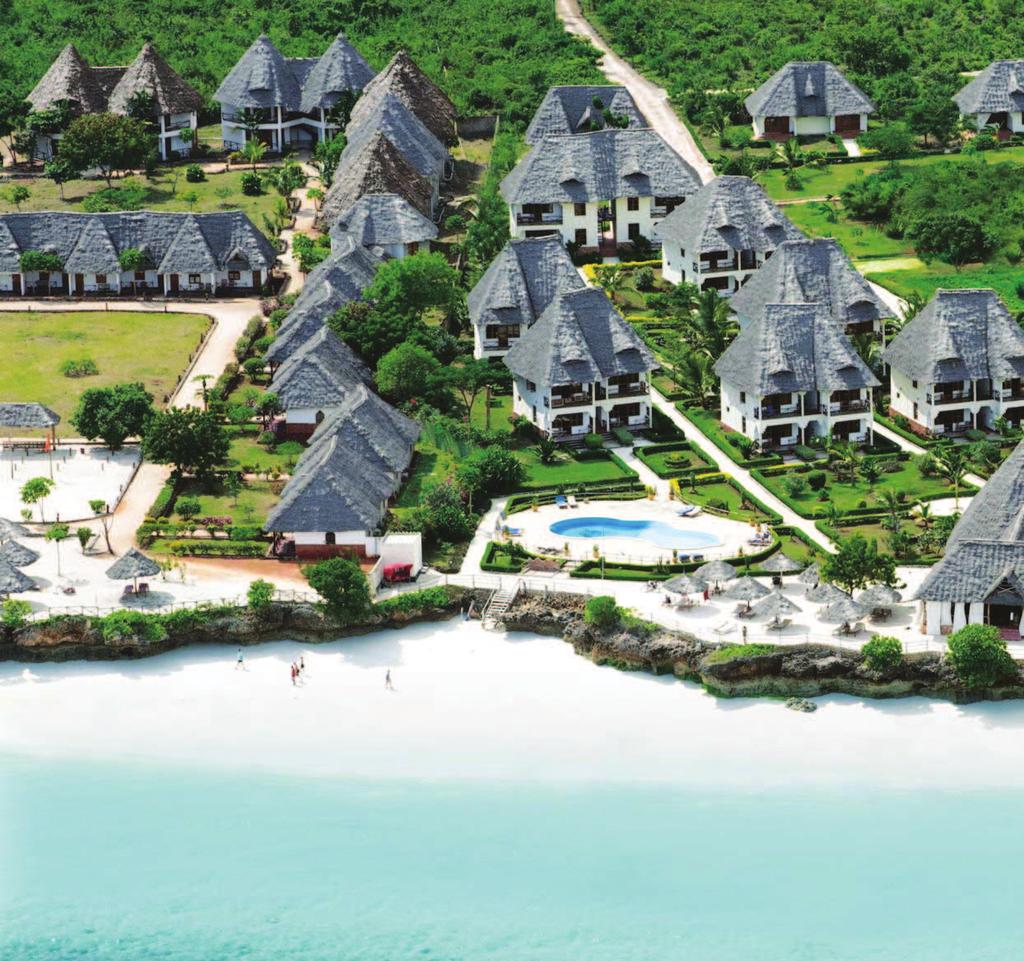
(493, 57)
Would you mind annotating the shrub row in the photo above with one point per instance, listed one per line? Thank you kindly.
(504, 558)
(613, 490)
(210, 548)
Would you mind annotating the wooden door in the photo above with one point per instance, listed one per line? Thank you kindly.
(848, 123)
(79, 283)
(16, 283)
(174, 283)
(257, 279)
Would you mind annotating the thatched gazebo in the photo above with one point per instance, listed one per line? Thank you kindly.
(9, 529)
(775, 605)
(825, 593)
(811, 575)
(132, 565)
(29, 416)
(778, 563)
(715, 571)
(746, 589)
(684, 584)
(13, 581)
(879, 596)
(841, 611)
(17, 555)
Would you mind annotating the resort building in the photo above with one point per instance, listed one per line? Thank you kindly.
(335, 502)
(516, 289)
(72, 254)
(581, 369)
(289, 101)
(813, 272)
(314, 381)
(995, 98)
(70, 80)
(980, 579)
(376, 166)
(597, 190)
(404, 81)
(792, 376)
(338, 280)
(724, 232)
(958, 365)
(388, 224)
(582, 109)
(806, 99)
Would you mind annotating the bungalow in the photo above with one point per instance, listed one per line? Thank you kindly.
(805, 99)
(376, 166)
(336, 500)
(792, 376)
(283, 101)
(88, 89)
(386, 223)
(315, 381)
(516, 289)
(581, 369)
(597, 189)
(338, 280)
(813, 272)
(995, 97)
(581, 109)
(980, 579)
(958, 365)
(726, 231)
(131, 252)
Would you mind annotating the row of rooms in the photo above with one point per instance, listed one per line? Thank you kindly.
(169, 142)
(592, 223)
(774, 128)
(955, 406)
(946, 617)
(722, 270)
(277, 128)
(1005, 122)
(43, 283)
(565, 411)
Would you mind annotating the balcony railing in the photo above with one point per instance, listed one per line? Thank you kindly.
(1017, 394)
(949, 397)
(614, 392)
(953, 427)
(848, 407)
(716, 266)
(569, 400)
(552, 217)
(499, 343)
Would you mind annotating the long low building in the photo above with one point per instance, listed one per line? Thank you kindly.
(57, 253)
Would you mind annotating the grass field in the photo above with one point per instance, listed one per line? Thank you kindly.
(1005, 280)
(568, 470)
(150, 347)
(165, 192)
(859, 240)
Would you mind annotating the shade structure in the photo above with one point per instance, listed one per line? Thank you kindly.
(746, 589)
(775, 604)
(13, 581)
(778, 563)
(716, 571)
(131, 565)
(17, 555)
(10, 529)
(811, 575)
(684, 584)
(841, 611)
(824, 594)
(878, 595)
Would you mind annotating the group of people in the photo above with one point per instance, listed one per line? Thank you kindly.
(298, 669)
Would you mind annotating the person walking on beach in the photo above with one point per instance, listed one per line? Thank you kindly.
(295, 671)
(302, 664)
(388, 686)
(240, 662)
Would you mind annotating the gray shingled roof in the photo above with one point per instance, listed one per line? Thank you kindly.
(986, 547)
(27, 416)
(401, 78)
(807, 89)
(17, 554)
(375, 166)
(351, 468)
(149, 72)
(521, 282)
(793, 347)
(262, 78)
(319, 374)
(579, 339)
(727, 213)
(571, 109)
(403, 128)
(69, 78)
(13, 581)
(377, 220)
(174, 242)
(341, 68)
(600, 166)
(341, 278)
(133, 563)
(998, 88)
(810, 272)
(959, 335)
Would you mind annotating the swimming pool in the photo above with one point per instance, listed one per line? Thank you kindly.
(655, 532)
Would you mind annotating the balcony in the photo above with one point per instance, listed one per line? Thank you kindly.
(569, 400)
(614, 392)
(848, 407)
(941, 398)
(553, 217)
(716, 266)
(1014, 394)
(499, 343)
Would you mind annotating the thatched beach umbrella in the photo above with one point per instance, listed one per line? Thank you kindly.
(746, 589)
(824, 593)
(132, 565)
(775, 605)
(878, 595)
(841, 611)
(9, 529)
(13, 581)
(684, 584)
(811, 575)
(17, 555)
(715, 571)
(778, 563)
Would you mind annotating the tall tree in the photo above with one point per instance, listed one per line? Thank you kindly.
(109, 142)
(113, 414)
(191, 440)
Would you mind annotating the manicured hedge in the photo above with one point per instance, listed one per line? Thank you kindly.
(612, 492)
(645, 453)
(714, 433)
(512, 558)
(659, 572)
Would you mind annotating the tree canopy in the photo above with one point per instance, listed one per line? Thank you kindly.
(113, 414)
(191, 440)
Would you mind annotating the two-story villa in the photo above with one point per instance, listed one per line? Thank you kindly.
(792, 376)
(581, 369)
(597, 189)
(516, 289)
(723, 233)
(995, 97)
(958, 365)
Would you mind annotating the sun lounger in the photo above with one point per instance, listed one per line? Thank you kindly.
(572, 501)
(560, 502)
(779, 623)
(744, 610)
(514, 531)
(726, 627)
(686, 511)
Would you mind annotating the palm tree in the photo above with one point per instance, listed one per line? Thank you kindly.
(952, 463)
(711, 327)
(254, 151)
(843, 456)
(924, 515)
(830, 208)
(869, 348)
(870, 471)
(913, 304)
(613, 279)
(891, 503)
(791, 154)
(694, 374)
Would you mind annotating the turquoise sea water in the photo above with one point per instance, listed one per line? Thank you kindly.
(111, 862)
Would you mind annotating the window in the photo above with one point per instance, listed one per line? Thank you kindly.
(234, 275)
(914, 383)
(101, 278)
(634, 231)
(743, 396)
(195, 279)
(319, 416)
(330, 538)
(580, 210)
(412, 248)
(531, 386)
(632, 203)
(140, 275)
(580, 236)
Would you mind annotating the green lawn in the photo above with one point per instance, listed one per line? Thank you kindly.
(721, 496)
(879, 533)
(833, 178)
(796, 549)
(164, 192)
(859, 240)
(500, 411)
(251, 507)
(669, 463)
(926, 279)
(568, 470)
(246, 452)
(151, 347)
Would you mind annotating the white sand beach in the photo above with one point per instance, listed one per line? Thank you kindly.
(473, 704)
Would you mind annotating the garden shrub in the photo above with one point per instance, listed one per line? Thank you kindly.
(644, 279)
(795, 485)
(602, 612)
(883, 653)
(194, 174)
(82, 367)
(260, 594)
(593, 441)
(979, 656)
(132, 626)
(816, 480)
(252, 184)
(14, 613)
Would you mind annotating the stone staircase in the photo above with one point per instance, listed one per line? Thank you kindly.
(497, 604)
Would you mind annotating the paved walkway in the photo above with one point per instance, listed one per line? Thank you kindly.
(650, 98)
(912, 448)
(305, 218)
(852, 147)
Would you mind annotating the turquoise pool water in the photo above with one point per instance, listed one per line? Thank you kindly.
(134, 863)
(655, 532)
